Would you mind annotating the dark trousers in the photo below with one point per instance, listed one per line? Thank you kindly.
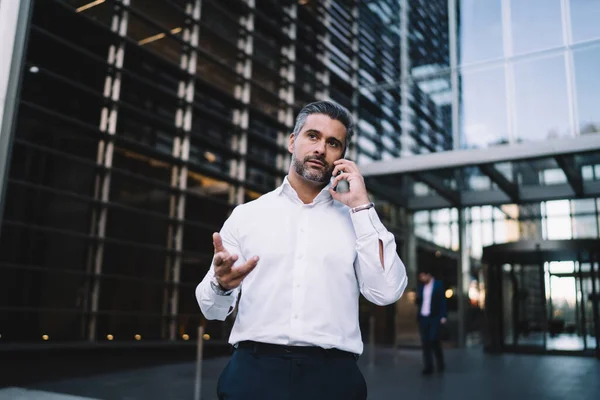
(270, 372)
(430, 340)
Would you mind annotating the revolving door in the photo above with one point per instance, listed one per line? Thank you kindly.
(543, 296)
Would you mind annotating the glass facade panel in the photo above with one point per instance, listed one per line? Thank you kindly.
(483, 112)
(559, 228)
(480, 30)
(585, 227)
(585, 15)
(587, 87)
(431, 104)
(541, 106)
(536, 25)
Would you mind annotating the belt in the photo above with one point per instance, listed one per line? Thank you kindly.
(277, 350)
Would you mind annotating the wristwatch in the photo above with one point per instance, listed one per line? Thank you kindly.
(362, 207)
(218, 289)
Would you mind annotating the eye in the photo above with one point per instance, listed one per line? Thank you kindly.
(312, 135)
(334, 143)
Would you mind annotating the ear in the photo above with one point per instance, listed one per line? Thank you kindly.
(291, 143)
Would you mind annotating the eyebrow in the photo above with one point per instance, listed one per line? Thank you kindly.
(313, 131)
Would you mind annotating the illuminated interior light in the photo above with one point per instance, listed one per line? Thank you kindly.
(206, 336)
(185, 336)
(89, 5)
(110, 337)
(45, 337)
(210, 157)
(138, 337)
(158, 36)
(33, 69)
(449, 293)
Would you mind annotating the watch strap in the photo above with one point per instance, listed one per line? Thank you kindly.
(218, 289)
(362, 207)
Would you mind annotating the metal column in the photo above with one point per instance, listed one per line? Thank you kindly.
(14, 24)
(406, 139)
(241, 116)
(463, 278)
(108, 124)
(406, 311)
(181, 150)
(570, 66)
(287, 72)
(353, 149)
(509, 75)
(454, 82)
(324, 55)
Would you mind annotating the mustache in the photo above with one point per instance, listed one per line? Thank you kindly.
(318, 158)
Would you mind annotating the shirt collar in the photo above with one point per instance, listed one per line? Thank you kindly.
(286, 188)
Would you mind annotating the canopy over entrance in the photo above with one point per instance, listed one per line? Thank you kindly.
(511, 174)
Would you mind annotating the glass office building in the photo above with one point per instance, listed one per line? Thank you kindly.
(515, 86)
(135, 126)
(141, 124)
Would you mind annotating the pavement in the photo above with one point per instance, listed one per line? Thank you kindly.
(395, 374)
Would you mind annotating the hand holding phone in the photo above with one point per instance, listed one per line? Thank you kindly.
(346, 173)
(343, 186)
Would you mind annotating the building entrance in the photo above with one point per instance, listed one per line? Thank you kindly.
(543, 296)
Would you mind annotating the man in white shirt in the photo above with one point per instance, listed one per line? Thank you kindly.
(298, 258)
(432, 313)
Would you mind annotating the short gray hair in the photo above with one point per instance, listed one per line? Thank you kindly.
(330, 108)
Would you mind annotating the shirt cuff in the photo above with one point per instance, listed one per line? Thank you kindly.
(220, 302)
(366, 222)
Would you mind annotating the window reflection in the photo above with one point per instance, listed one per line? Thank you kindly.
(585, 227)
(558, 228)
(541, 99)
(585, 15)
(483, 108)
(587, 65)
(536, 25)
(431, 107)
(161, 37)
(480, 30)
(99, 10)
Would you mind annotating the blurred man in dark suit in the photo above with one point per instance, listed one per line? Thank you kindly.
(431, 300)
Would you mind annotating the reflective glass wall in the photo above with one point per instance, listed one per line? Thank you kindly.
(514, 72)
(427, 80)
(527, 70)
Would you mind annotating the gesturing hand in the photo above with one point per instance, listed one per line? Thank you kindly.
(228, 276)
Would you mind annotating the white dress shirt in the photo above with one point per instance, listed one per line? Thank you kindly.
(426, 304)
(315, 260)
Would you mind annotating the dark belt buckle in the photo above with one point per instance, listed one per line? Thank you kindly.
(287, 350)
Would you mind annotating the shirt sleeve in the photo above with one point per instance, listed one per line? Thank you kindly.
(381, 285)
(212, 305)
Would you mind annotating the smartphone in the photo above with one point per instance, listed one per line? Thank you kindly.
(343, 186)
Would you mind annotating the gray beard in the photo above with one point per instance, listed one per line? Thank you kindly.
(310, 174)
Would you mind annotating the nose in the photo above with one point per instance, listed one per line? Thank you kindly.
(320, 147)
